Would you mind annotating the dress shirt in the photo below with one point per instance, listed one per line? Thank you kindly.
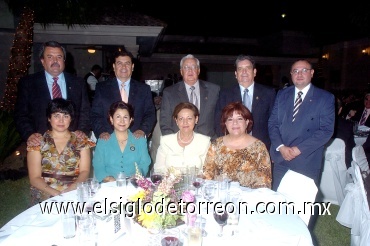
(61, 82)
(304, 91)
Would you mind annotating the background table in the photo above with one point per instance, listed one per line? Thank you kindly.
(254, 229)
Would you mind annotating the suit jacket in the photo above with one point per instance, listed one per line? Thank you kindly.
(311, 130)
(358, 115)
(176, 94)
(263, 102)
(140, 97)
(32, 100)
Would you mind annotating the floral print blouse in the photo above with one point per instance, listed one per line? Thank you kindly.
(65, 163)
(250, 166)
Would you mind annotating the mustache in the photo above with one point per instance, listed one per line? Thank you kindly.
(55, 64)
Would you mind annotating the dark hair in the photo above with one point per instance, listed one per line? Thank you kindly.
(123, 52)
(301, 60)
(243, 58)
(53, 44)
(96, 67)
(185, 105)
(238, 108)
(120, 105)
(60, 105)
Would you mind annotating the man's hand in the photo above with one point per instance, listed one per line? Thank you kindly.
(287, 153)
(139, 134)
(80, 134)
(104, 135)
(34, 139)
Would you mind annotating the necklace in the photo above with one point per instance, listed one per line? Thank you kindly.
(122, 141)
(182, 141)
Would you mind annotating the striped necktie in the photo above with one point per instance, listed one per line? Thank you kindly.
(297, 103)
(56, 89)
(363, 118)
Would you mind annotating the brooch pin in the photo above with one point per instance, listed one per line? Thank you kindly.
(132, 148)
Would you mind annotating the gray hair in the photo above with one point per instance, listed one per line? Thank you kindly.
(189, 56)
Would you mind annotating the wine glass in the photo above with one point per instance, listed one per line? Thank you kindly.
(221, 217)
(197, 183)
(155, 176)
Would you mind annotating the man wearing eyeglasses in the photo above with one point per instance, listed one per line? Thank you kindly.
(301, 123)
(201, 93)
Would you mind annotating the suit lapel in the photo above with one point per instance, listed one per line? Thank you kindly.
(305, 108)
(288, 103)
(132, 92)
(256, 97)
(181, 92)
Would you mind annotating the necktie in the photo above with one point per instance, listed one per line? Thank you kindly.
(56, 89)
(297, 103)
(363, 118)
(247, 100)
(193, 97)
(124, 95)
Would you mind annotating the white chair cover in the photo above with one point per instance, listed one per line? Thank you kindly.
(299, 189)
(354, 212)
(334, 175)
(358, 155)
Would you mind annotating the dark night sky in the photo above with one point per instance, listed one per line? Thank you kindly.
(325, 22)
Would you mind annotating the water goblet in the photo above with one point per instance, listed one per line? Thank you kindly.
(209, 191)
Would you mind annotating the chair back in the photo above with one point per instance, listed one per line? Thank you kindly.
(358, 156)
(334, 175)
(299, 189)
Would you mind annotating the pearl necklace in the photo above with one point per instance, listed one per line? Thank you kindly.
(182, 141)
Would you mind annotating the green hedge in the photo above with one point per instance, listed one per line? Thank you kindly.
(9, 137)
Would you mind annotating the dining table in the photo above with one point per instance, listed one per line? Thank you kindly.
(261, 222)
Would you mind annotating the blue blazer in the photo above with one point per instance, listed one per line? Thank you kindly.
(140, 97)
(311, 130)
(263, 102)
(33, 98)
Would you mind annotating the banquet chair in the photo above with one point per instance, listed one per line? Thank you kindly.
(354, 212)
(334, 175)
(298, 188)
(358, 155)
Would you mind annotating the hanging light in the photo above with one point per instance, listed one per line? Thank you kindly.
(91, 50)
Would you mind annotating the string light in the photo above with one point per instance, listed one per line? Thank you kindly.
(20, 58)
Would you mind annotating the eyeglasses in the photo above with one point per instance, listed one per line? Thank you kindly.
(187, 68)
(303, 71)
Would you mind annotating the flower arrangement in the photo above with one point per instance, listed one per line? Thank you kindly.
(157, 203)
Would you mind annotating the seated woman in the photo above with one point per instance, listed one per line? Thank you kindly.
(61, 159)
(238, 155)
(122, 150)
(184, 148)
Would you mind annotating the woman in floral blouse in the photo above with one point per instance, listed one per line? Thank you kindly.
(61, 160)
(238, 155)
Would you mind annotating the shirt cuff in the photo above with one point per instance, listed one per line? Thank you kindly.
(281, 145)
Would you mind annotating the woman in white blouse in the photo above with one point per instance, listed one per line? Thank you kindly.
(186, 148)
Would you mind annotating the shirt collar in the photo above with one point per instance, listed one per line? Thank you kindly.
(250, 89)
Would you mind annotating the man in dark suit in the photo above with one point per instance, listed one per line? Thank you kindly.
(297, 142)
(201, 93)
(261, 98)
(123, 88)
(36, 90)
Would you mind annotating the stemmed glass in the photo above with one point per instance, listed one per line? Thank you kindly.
(156, 177)
(221, 217)
(209, 191)
(197, 183)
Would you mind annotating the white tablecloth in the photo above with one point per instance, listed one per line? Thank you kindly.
(254, 229)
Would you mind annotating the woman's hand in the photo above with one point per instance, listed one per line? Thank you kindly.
(109, 179)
